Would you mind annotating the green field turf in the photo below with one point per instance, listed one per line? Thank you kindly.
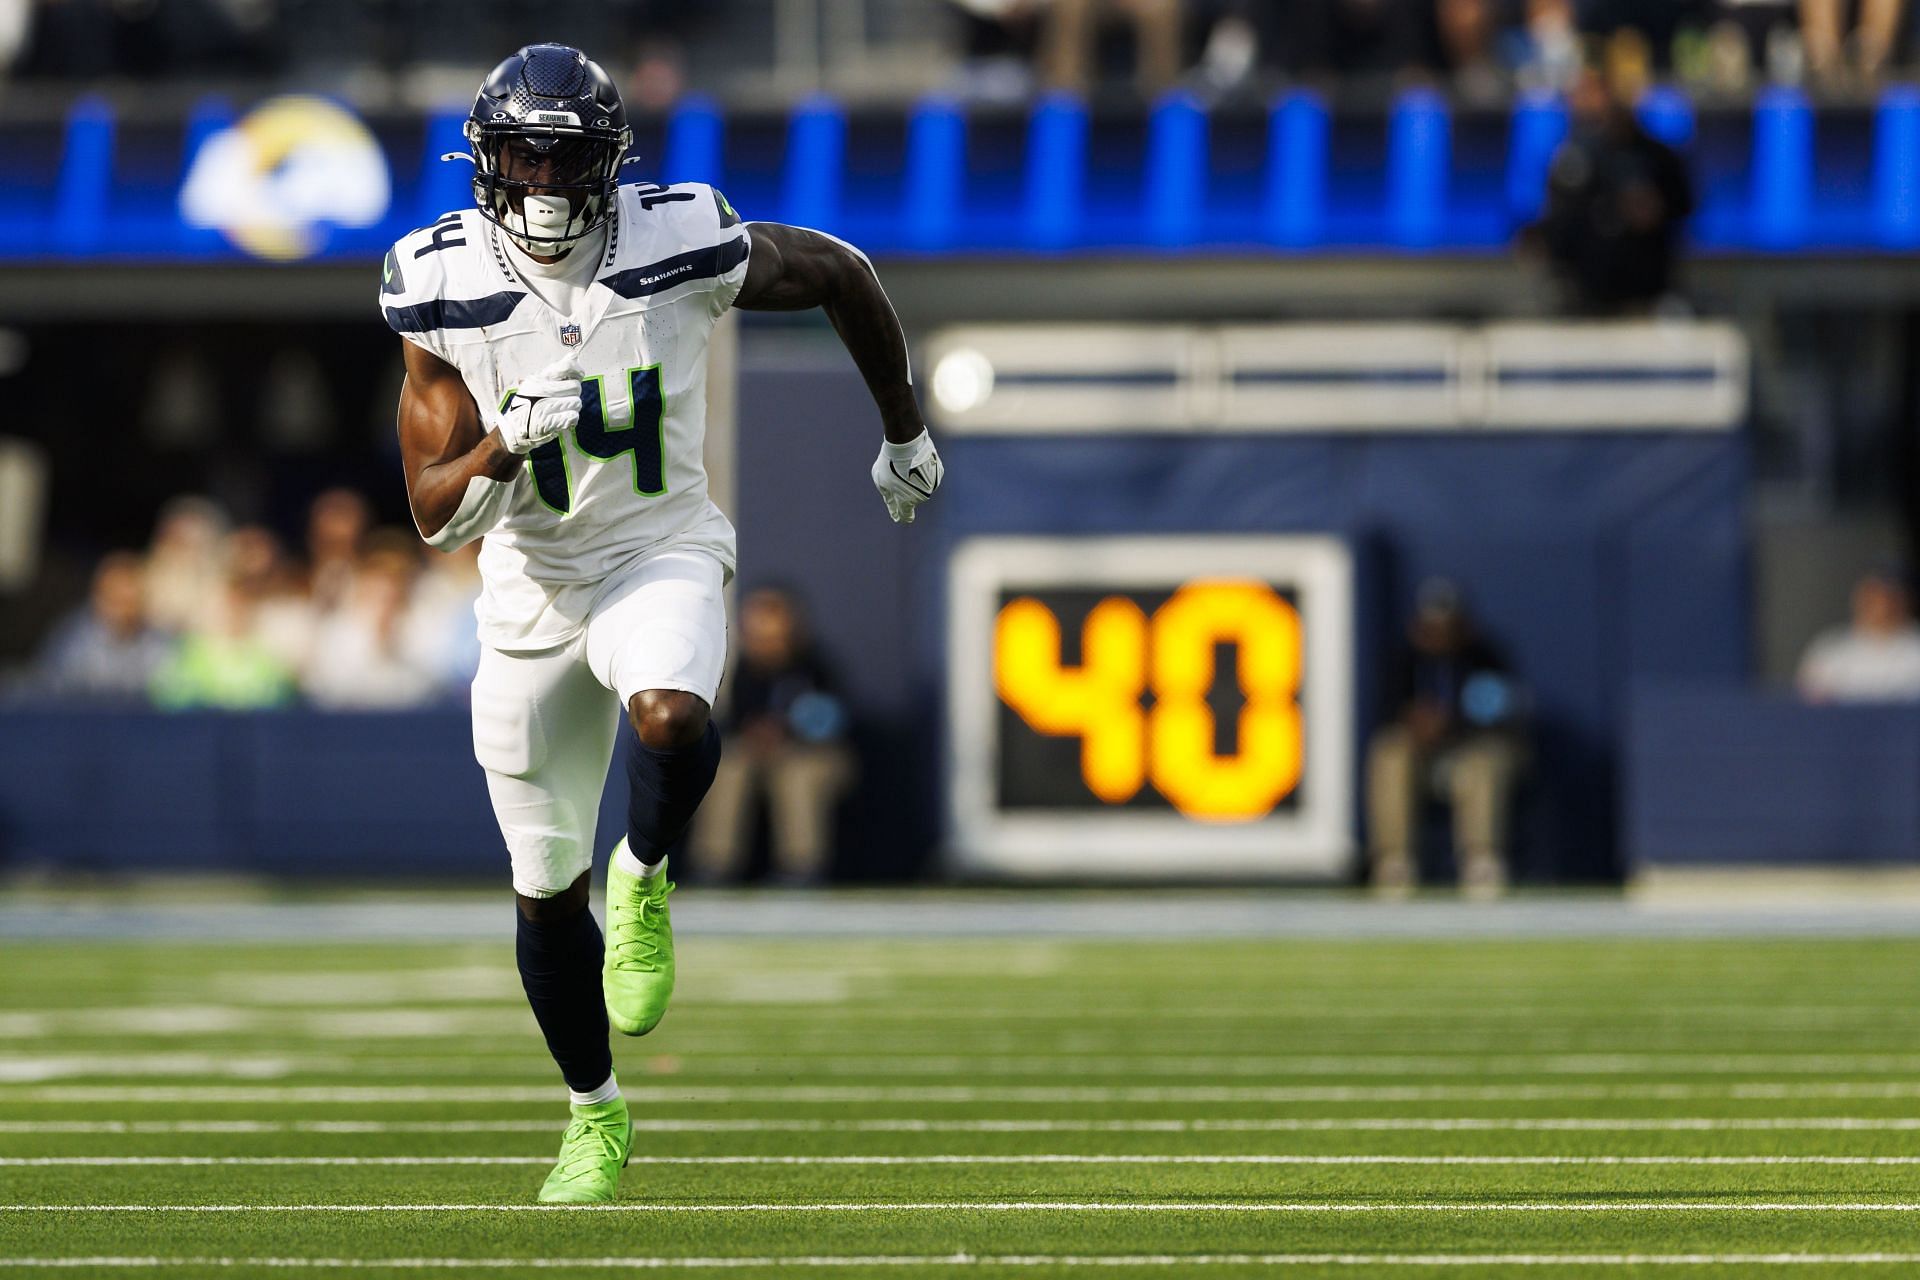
(1016, 1107)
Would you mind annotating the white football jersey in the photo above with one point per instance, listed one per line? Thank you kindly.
(629, 479)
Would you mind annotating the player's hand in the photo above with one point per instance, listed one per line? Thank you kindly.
(907, 475)
(542, 407)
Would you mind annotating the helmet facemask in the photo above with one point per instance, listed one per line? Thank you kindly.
(546, 186)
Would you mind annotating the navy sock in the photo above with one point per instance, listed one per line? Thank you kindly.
(560, 969)
(663, 790)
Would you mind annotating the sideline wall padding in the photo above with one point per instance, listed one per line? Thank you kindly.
(296, 792)
(1725, 775)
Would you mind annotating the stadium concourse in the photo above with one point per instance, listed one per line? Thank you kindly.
(1194, 1083)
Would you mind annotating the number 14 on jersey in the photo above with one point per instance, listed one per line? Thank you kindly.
(643, 438)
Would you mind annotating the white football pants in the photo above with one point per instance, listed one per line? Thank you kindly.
(544, 721)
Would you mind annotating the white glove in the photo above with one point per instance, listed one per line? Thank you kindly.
(907, 474)
(542, 407)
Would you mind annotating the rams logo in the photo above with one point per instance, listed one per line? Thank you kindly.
(277, 179)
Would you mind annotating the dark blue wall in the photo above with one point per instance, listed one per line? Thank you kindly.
(808, 517)
(1721, 774)
(1596, 559)
(288, 792)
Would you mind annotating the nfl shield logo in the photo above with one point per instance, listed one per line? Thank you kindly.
(570, 335)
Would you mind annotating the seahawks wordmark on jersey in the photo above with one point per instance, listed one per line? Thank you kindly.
(629, 479)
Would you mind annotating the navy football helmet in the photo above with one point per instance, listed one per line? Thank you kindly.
(548, 133)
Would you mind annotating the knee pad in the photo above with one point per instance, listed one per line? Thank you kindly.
(508, 736)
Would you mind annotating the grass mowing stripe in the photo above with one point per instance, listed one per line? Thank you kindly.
(351, 1016)
(1066, 1158)
(1358, 1124)
(435, 1044)
(661, 1094)
(531, 1061)
(1029, 1206)
(1474, 1260)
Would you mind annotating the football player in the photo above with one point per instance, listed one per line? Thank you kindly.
(555, 403)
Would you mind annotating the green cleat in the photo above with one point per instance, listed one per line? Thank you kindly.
(638, 973)
(592, 1153)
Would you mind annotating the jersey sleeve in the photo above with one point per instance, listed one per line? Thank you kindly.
(410, 290)
(682, 242)
(716, 238)
(733, 234)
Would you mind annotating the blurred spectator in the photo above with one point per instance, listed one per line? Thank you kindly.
(1617, 202)
(186, 564)
(226, 665)
(784, 727)
(658, 78)
(1876, 658)
(998, 42)
(14, 17)
(284, 620)
(1231, 48)
(336, 523)
(440, 621)
(1848, 42)
(1455, 734)
(365, 656)
(1366, 40)
(1749, 34)
(1653, 23)
(108, 651)
(152, 39)
(248, 633)
(1547, 47)
(1070, 42)
(1365, 44)
(1468, 33)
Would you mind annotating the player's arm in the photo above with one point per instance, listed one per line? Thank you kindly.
(443, 446)
(791, 269)
(456, 466)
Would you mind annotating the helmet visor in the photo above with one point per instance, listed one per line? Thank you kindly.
(553, 162)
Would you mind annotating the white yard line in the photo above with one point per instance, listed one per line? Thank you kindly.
(656, 1094)
(1357, 1124)
(431, 1039)
(1062, 1158)
(1093, 1011)
(29, 1070)
(1182, 1260)
(531, 1062)
(1029, 1206)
